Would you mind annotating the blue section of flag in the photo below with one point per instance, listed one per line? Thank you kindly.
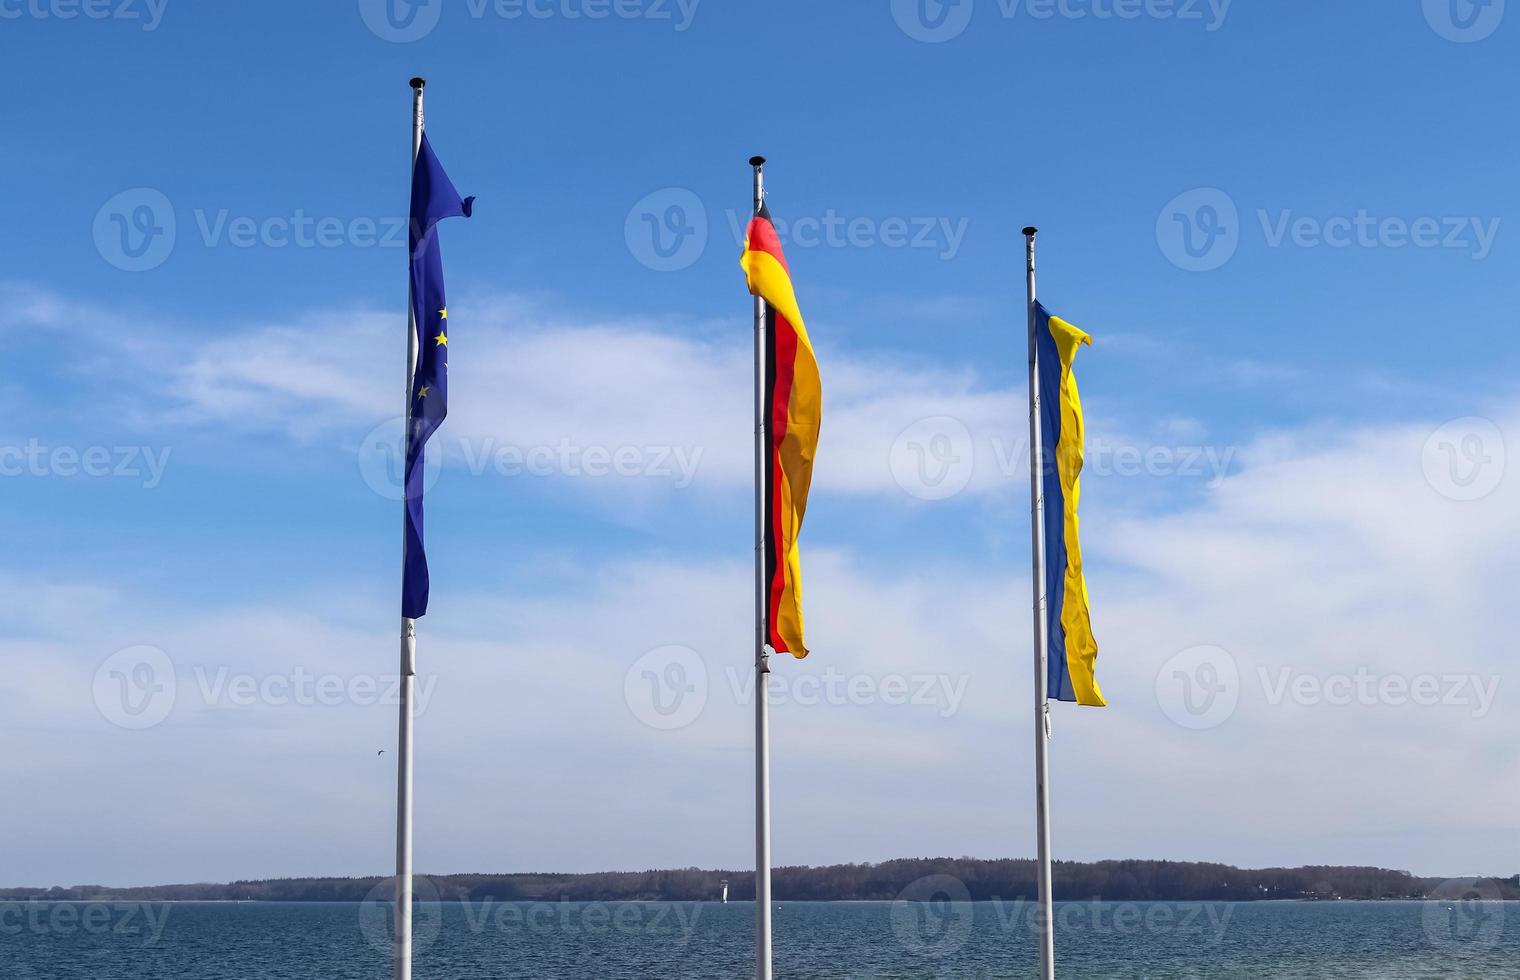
(1058, 675)
(433, 199)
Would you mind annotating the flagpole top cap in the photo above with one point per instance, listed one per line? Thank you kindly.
(417, 83)
(757, 162)
(1030, 231)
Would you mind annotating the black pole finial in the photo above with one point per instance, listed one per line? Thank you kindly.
(757, 161)
(418, 82)
(1030, 231)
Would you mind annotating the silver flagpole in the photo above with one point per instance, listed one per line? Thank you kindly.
(762, 659)
(1041, 640)
(402, 952)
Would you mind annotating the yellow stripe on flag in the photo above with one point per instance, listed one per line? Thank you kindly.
(1081, 646)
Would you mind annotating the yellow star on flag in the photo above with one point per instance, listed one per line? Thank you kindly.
(442, 339)
(423, 393)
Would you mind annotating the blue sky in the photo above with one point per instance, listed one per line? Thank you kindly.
(1291, 376)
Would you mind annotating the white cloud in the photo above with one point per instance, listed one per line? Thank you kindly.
(525, 378)
(528, 380)
(1319, 558)
(1325, 553)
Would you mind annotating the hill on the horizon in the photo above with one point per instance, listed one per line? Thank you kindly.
(983, 879)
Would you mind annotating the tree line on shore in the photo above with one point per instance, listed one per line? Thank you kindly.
(980, 879)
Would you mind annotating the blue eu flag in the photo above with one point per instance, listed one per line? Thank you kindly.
(433, 199)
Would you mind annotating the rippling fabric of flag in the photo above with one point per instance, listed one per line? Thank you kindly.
(794, 408)
(433, 199)
(1073, 652)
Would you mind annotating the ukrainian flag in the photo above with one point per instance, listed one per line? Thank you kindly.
(1073, 652)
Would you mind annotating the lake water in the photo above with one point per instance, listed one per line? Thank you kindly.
(488, 940)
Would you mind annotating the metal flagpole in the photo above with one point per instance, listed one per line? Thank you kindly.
(1041, 640)
(762, 659)
(402, 951)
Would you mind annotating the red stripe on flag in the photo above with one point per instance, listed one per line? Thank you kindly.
(763, 238)
(785, 348)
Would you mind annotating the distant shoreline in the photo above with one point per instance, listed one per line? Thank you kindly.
(747, 902)
(942, 879)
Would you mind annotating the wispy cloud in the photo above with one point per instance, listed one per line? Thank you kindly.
(535, 378)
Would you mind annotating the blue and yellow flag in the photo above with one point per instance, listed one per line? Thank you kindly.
(1073, 653)
(433, 199)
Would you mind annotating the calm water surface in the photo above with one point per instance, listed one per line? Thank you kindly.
(483, 941)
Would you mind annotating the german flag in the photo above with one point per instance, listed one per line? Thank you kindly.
(794, 407)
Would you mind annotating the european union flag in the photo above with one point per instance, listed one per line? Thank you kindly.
(433, 199)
